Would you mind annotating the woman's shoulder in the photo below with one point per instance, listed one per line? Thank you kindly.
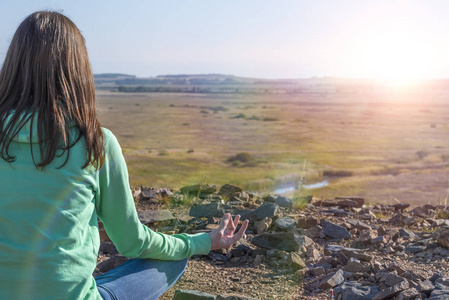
(110, 140)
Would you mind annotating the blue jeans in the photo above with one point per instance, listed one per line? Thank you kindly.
(142, 279)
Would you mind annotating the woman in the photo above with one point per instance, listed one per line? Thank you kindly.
(59, 171)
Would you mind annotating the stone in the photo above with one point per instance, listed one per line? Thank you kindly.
(227, 190)
(335, 231)
(192, 295)
(392, 291)
(356, 253)
(295, 260)
(307, 223)
(262, 226)
(367, 236)
(437, 275)
(111, 263)
(353, 266)
(392, 279)
(238, 252)
(285, 223)
(415, 248)
(207, 210)
(352, 290)
(287, 241)
(360, 201)
(108, 248)
(151, 216)
(407, 234)
(283, 201)
(317, 271)
(217, 256)
(240, 197)
(313, 253)
(331, 280)
(426, 287)
(409, 294)
(266, 210)
(199, 189)
(313, 232)
(400, 206)
(443, 239)
(381, 239)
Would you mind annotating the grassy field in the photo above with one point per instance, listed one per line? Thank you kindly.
(385, 147)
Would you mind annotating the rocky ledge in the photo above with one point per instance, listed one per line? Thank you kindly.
(337, 247)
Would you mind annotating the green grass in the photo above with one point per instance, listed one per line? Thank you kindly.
(158, 132)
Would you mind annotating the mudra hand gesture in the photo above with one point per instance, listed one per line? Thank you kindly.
(223, 236)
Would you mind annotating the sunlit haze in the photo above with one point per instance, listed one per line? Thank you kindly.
(395, 41)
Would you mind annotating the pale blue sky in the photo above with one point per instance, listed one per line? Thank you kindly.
(255, 38)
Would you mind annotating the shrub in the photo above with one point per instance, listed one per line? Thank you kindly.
(421, 154)
(337, 173)
(270, 119)
(254, 117)
(243, 157)
(239, 116)
(163, 152)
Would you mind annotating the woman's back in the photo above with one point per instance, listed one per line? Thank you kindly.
(49, 240)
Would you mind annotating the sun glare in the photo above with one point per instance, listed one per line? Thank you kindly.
(396, 57)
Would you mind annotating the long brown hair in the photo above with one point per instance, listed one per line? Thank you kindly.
(47, 75)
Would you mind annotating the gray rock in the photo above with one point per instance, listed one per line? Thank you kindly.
(425, 286)
(192, 295)
(227, 190)
(392, 279)
(415, 248)
(331, 280)
(295, 260)
(285, 223)
(217, 256)
(207, 210)
(284, 201)
(392, 291)
(338, 212)
(352, 290)
(335, 231)
(318, 271)
(151, 216)
(408, 234)
(262, 226)
(266, 210)
(111, 263)
(353, 266)
(443, 239)
(409, 294)
(108, 248)
(356, 253)
(437, 275)
(287, 241)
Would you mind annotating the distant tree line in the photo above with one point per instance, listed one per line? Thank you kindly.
(205, 90)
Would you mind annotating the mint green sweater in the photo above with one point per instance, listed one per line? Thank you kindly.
(48, 222)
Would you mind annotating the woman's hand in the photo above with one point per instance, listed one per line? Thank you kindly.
(223, 236)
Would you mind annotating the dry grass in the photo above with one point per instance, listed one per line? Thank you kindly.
(377, 144)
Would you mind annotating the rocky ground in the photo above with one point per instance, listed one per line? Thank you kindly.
(331, 248)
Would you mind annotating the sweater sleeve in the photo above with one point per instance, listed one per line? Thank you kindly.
(115, 208)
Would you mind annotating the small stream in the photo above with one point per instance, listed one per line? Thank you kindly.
(290, 189)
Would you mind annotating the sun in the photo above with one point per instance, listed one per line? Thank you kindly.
(396, 56)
